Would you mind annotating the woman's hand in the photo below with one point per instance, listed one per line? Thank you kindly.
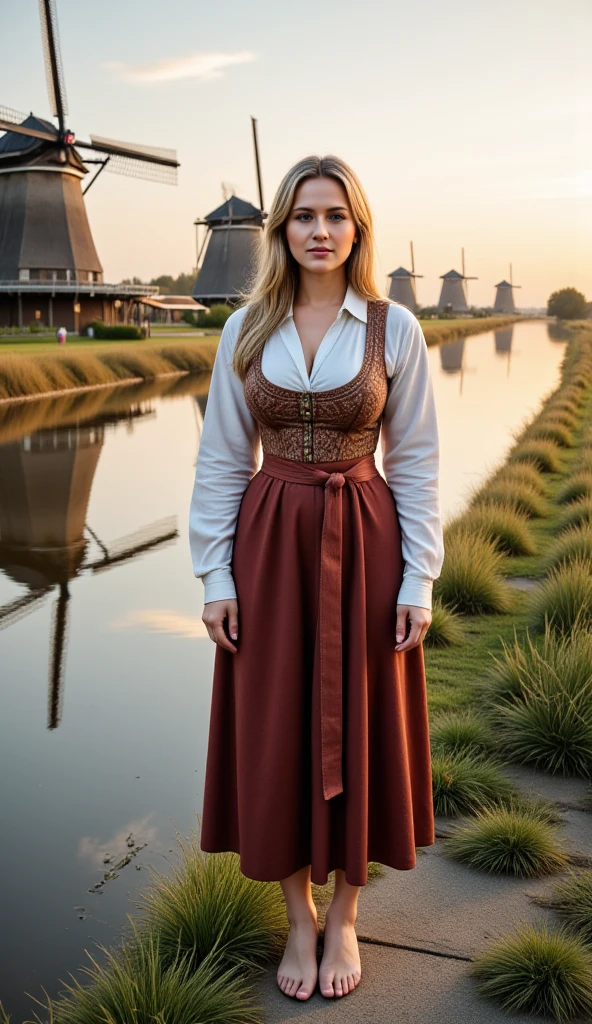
(214, 614)
(419, 618)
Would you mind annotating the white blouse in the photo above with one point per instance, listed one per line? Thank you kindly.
(230, 448)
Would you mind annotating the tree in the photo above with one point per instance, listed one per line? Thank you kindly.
(567, 304)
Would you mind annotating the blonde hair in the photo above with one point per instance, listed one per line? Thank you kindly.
(276, 273)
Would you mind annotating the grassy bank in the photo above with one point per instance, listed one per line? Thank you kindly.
(35, 367)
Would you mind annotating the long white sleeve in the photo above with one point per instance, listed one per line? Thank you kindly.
(410, 456)
(226, 461)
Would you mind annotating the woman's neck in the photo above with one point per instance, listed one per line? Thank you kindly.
(321, 290)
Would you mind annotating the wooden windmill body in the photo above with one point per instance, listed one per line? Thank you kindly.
(453, 295)
(504, 296)
(50, 270)
(402, 287)
(233, 235)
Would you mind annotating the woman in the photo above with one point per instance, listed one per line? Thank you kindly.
(318, 571)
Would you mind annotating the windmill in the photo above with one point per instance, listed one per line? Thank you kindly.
(504, 296)
(49, 266)
(402, 288)
(454, 295)
(232, 237)
(45, 485)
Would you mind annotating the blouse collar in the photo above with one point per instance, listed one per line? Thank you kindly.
(353, 303)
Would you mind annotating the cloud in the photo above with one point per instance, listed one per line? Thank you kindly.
(194, 65)
(160, 620)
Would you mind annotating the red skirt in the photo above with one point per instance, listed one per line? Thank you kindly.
(316, 701)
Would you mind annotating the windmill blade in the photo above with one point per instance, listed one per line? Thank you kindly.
(20, 607)
(148, 162)
(147, 539)
(12, 121)
(53, 60)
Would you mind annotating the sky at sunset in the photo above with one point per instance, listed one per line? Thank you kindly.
(469, 123)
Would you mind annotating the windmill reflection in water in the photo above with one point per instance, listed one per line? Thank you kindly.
(45, 485)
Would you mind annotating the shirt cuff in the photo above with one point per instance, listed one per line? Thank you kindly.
(218, 585)
(416, 590)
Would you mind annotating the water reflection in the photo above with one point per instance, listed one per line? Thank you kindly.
(45, 485)
(98, 799)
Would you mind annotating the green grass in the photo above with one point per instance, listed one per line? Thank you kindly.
(502, 522)
(445, 628)
(564, 598)
(464, 782)
(470, 581)
(506, 841)
(571, 898)
(458, 732)
(535, 970)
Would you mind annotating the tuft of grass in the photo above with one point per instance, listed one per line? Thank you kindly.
(510, 494)
(545, 454)
(578, 486)
(541, 708)
(547, 430)
(208, 903)
(503, 524)
(136, 984)
(524, 472)
(461, 731)
(571, 898)
(564, 598)
(470, 580)
(445, 629)
(574, 543)
(466, 782)
(563, 416)
(576, 514)
(503, 841)
(536, 970)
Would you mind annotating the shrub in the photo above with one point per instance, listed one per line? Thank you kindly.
(507, 842)
(537, 971)
(217, 316)
(470, 579)
(117, 332)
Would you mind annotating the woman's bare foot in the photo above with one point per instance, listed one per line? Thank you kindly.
(340, 969)
(298, 971)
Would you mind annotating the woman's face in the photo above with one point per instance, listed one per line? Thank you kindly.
(320, 229)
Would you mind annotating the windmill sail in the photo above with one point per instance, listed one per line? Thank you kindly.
(56, 88)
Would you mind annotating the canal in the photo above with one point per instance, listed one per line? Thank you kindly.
(104, 661)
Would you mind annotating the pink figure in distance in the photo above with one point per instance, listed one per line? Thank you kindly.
(61, 334)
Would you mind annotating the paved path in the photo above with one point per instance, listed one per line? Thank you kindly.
(419, 930)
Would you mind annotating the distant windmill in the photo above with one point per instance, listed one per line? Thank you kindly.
(48, 261)
(402, 287)
(453, 294)
(45, 485)
(232, 237)
(504, 296)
